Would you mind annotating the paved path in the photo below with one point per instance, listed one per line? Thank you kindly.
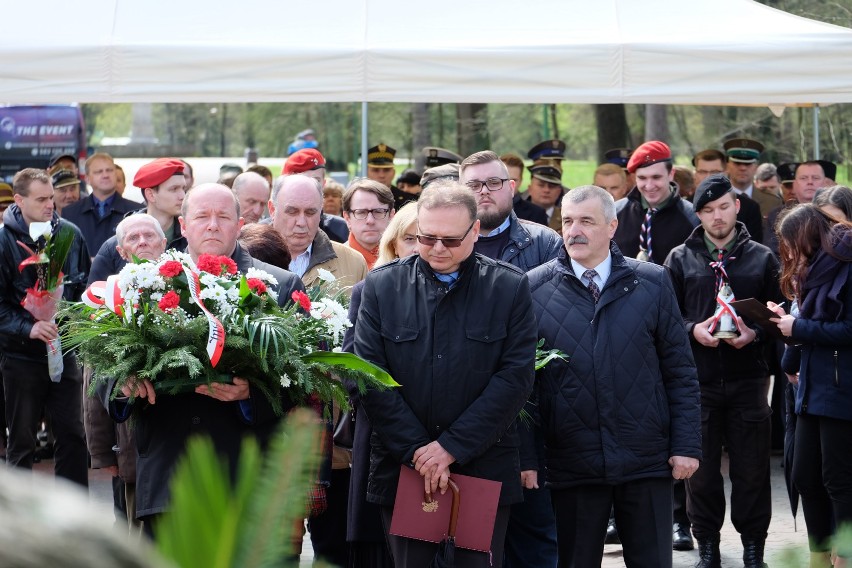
(782, 534)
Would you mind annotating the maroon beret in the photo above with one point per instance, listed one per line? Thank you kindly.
(304, 161)
(648, 154)
(154, 173)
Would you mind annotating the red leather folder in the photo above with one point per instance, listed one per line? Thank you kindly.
(414, 518)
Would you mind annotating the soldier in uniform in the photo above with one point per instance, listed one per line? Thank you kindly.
(545, 189)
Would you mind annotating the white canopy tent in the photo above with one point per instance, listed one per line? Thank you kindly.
(734, 52)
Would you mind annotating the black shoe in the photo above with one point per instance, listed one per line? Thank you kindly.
(753, 553)
(681, 538)
(708, 553)
(612, 533)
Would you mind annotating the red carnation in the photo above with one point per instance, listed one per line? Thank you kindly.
(229, 264)
(302, 299)
(171, 269)
(256, 285)
(170, 301)
(210, 264)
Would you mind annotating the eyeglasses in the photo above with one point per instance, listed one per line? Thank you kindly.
(708, 172)
(493, 184)
(361, 214)
(449, 242)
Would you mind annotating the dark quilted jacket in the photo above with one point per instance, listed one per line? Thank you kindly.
(628, 398)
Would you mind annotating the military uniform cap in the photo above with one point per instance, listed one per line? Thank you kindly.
(304, 160)
(549, 149)
(743, 150)
(787, 172)
(828, 168)
(154, 173)
(381, 156)
(439, 156)
(618, 156)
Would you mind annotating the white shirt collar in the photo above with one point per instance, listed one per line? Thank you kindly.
(603, 269)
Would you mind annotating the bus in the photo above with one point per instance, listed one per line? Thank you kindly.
(31, 134)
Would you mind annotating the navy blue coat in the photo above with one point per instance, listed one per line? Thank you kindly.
(628, 398)
(825, 371)
(94, 229)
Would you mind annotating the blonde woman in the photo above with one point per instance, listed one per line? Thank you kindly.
(364, 525)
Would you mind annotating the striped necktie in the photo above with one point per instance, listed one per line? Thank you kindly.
(645, 233)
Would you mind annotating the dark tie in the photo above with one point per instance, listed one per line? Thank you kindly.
(593, 288)
(101, 208)
(645, 233)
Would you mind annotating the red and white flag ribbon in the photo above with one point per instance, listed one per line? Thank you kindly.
(216, 334)
(105, 294)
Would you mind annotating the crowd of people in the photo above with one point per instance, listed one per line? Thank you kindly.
(456, 276)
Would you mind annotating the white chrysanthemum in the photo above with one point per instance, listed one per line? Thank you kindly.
(325, 275)
(285, 381)
(208, 279)
(233, 294)
(156, 296)
(261, 275)
(131, 296)
(214, 292)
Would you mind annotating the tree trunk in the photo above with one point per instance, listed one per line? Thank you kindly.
(471, 127)
(657, 123)
(612, 130)
(421, 133)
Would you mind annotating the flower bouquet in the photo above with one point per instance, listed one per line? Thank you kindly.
(181, 324)
(41, 300)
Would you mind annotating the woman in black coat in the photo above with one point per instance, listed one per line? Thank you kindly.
(816, 256)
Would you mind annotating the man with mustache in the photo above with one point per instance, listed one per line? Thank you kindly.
(733, 373)
(621, 418)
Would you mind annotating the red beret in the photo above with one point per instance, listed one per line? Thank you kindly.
(648, 154)
(154, 173)
(304, 161)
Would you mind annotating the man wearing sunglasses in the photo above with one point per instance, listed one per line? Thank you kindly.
(456, 330)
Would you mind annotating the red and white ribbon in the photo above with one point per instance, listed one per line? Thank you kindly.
(216, 333)
(105, 294)
(726, 309)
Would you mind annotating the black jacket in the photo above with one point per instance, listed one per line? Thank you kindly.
(628, 398)
(16, 322)
(108, 261)
(335, 227)
(753, 273)
(528, 210)
(670, 227)
(750, 216)
(162, 429)
(464, 358)
(95, 230)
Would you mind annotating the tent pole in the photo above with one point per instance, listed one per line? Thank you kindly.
(364, 120)
(816, 132)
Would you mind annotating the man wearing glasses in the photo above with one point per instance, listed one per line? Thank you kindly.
(456, 330)
(531, 538)
(367, 209)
